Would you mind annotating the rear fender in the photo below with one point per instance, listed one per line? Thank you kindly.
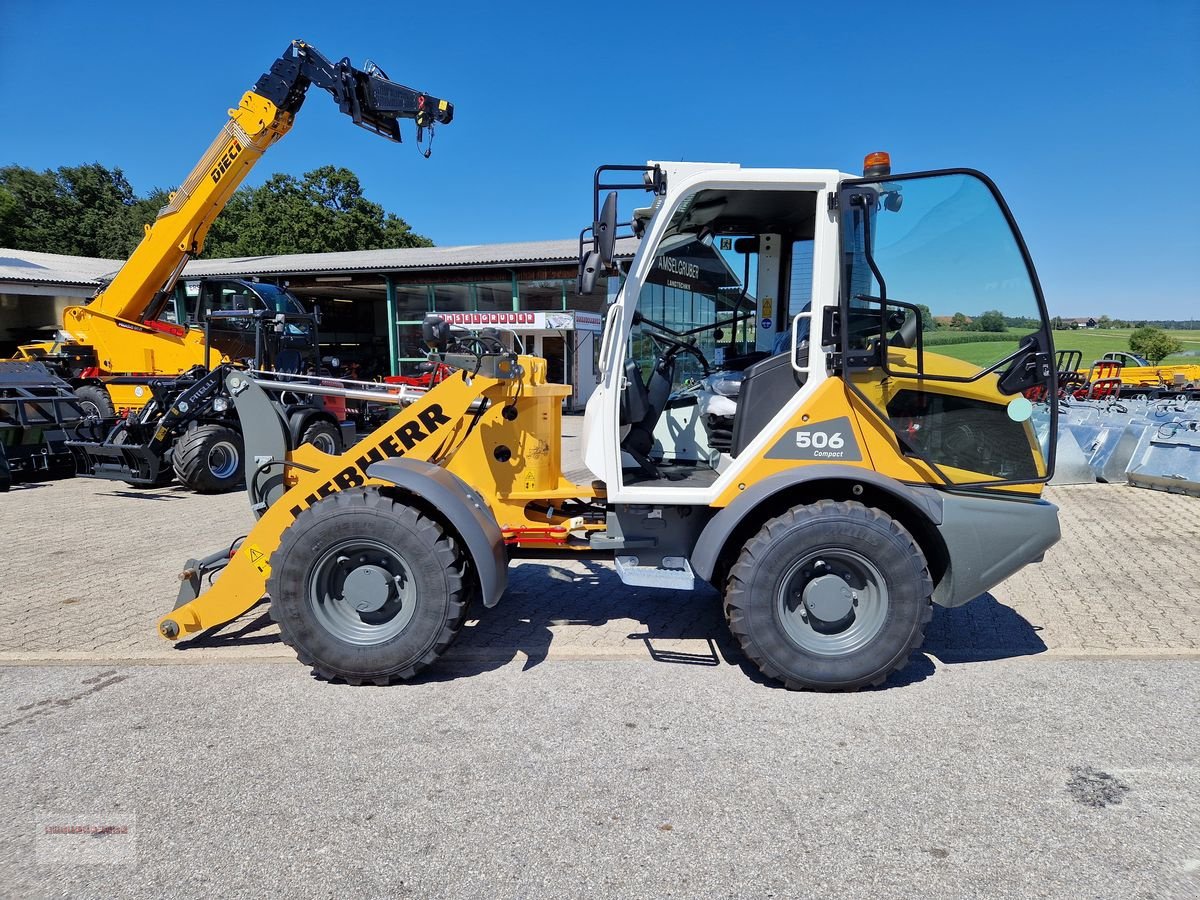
(461, 509)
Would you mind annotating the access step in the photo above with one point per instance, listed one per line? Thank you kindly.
(675, 573)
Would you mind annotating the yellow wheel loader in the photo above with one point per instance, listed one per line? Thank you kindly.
(111, 348)
(768, 420)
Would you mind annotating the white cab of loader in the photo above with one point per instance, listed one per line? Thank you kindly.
(768, 284)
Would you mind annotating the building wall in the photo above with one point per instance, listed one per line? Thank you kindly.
(22, 316)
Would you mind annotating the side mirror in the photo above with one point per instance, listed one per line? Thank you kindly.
(436, 333)
(589, 268)
(605, 230)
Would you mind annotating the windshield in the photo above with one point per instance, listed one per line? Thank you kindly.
(277, 299)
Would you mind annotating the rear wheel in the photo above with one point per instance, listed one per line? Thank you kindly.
(208, 459)
(324, 436)
(95, 402)
(367, 589)
(831, 596)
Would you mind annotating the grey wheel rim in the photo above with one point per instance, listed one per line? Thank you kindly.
(324, 442)
(832, 602)
(223, 459)
(362, 592)
(90, 409)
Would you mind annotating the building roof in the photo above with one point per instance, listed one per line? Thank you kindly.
(523, 253)
(25, 266)
(54, 268)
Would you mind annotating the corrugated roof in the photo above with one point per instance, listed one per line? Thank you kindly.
(54, 268)
(523, 253)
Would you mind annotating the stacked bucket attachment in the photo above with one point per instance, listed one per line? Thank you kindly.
(38, 414)
(1147, 443)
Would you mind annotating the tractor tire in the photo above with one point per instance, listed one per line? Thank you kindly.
(94, 401)
(366, 589)
(324, 436)
(208, 459)
(829, 597)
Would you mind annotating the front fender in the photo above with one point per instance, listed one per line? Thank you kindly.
(462, 509)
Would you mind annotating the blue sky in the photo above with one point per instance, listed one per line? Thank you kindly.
(1086, 115)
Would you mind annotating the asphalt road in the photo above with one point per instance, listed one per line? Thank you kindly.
(1007, 778)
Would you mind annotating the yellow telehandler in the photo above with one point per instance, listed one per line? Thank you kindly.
(130, 333)
(767, 420)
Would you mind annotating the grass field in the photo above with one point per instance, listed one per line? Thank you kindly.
(1093, 343)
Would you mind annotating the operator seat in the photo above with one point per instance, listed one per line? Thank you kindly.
(635, 410)
(288, 362)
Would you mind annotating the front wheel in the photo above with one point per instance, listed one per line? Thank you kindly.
(830, 596)
(367, 589)
(208, 459)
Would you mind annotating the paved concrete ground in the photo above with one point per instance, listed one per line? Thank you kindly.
(89, 566)
(1011, 778)
(588, 738)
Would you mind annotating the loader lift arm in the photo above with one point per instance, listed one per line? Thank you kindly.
(264, 115)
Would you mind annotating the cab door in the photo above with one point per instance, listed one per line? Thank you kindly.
(943, 330)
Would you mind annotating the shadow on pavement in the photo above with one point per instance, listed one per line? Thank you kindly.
(241, 632)
(981, 630)
(543, 596)
(147, 494)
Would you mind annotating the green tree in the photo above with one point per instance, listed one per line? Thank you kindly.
(86, 210)
(1104, 322)
(90, 210)
(927, 321)
(324, 211)
(1154, 344)
(959, 321)
(992, 320)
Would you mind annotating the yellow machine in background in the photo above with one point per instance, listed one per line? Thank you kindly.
(784, 437)
(111, 346)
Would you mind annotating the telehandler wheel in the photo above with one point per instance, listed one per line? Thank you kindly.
(94, 401)
(830, 596)
(367, 589)
(324, 436)
(208, 459)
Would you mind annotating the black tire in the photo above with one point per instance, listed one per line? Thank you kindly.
(830, 596)
(324, 436)
(388, 546)
(94, 401)
(208, 459)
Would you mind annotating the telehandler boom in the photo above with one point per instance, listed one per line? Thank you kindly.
(768, 420)
(116, 341)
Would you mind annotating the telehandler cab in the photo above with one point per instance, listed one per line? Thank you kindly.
(768, 420)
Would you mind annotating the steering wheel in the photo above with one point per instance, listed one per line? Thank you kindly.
(674, 347)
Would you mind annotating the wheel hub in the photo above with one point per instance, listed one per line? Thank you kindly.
(368, 588)
(828, 599)
(832, 602)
